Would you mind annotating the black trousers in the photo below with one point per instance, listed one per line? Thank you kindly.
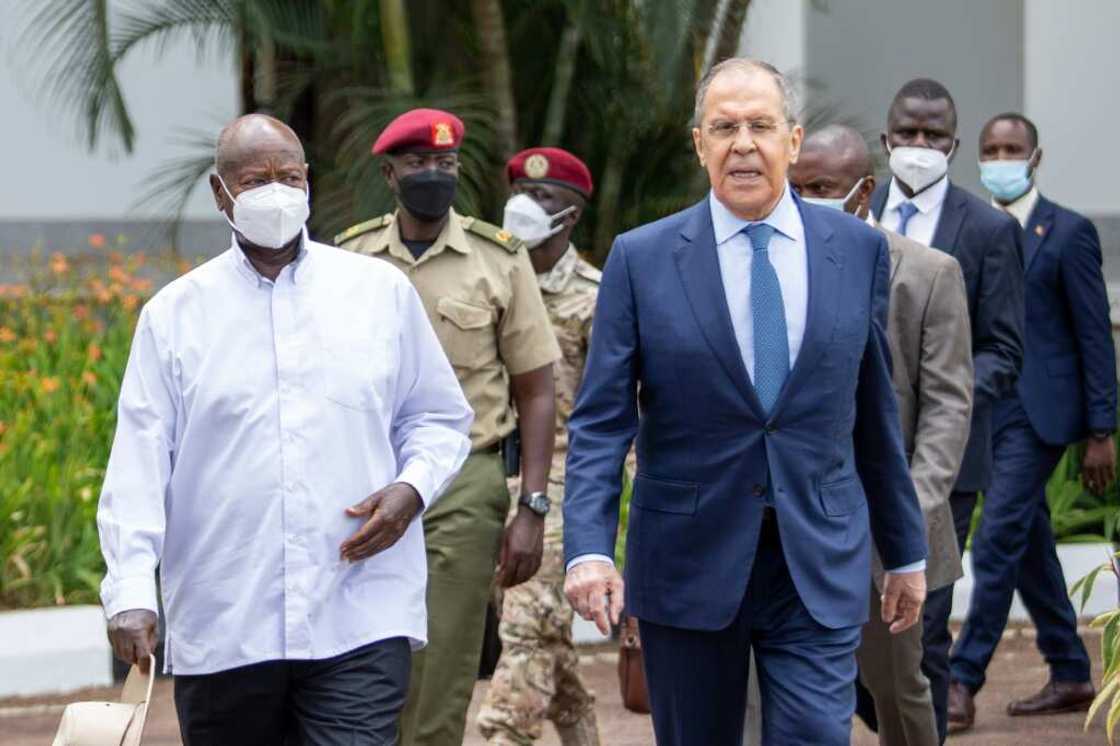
(936, 639)
(354, 699)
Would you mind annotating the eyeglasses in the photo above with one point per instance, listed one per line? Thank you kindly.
(759, 128)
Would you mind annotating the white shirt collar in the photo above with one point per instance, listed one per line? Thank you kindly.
(1021, 208)
(784, 218)
(926, 201)
(247, 270)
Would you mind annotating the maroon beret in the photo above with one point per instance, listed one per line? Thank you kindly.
(421, 130)
(551, 165)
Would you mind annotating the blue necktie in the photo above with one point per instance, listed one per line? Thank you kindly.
(906, 211)
(771, 342)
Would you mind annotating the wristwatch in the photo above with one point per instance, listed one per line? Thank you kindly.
(537, 502)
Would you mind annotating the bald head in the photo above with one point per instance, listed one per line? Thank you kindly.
(833, 161)
(253, 137)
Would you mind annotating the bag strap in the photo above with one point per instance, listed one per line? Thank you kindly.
(138, 686)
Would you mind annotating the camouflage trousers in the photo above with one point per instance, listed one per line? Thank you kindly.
(537, 677)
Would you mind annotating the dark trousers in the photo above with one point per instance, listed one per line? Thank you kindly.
(1014, 548)
(936, 639)
(698, 679)
(354, 698)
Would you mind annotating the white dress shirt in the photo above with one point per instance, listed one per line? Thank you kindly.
(790, 258)
(252, 414)
(924, 223)
(1021, 208)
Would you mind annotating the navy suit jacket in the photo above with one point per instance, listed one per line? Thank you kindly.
(664, 365)
(1068, 386)
(988, 244)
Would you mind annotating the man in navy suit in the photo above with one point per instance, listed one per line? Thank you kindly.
(920, 203)
(742, 342)
(1067, 393)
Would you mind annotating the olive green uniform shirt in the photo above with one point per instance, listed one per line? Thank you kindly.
(480, 292)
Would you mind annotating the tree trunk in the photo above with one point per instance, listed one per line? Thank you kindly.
(398, 52)
(491, 28)
(610, 194)
(731, 36)
(566, 54)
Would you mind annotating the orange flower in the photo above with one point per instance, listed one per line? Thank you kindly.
(88, 378)
(94, 352)
(130, 302)
(51, 336)
(59, 265)
(49, 385)
(117, 274)
(81, 312)
(7, 336)
(141, 284)
(97, 240)
(115, 257)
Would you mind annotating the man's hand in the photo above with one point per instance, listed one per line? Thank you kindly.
(522, 548)
(590, 586)
(133, 635)
(903, 596)
(389, 511)
(1098, 468)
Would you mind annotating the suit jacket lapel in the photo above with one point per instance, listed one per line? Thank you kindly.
(698, 265)
(1038, 228)
(952, 218)
(896, 254)
(825, 269)
(879, 200)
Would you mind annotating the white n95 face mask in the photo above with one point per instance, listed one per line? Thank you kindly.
(271, 215)
(917, 168)
(527, 220)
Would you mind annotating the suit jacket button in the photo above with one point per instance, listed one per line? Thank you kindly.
(759, 490)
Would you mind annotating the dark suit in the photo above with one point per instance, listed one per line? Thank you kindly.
(988, 245)
(711, 571)
(1067, 389)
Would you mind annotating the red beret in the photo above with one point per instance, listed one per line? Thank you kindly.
(421, 130)
(551, 165)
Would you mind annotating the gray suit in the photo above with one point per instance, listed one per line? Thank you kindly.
(928, 330)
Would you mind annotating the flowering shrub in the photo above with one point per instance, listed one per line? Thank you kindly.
(64, 339)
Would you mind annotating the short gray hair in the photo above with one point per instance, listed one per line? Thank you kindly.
(746, 64)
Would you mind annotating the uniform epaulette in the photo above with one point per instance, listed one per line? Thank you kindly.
(361, 228)
(491, 232)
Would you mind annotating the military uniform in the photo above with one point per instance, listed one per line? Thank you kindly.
(537, 677)
(479, 290)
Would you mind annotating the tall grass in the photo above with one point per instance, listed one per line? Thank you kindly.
(65, 331)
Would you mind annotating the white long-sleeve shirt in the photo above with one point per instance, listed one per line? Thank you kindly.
(252, 414)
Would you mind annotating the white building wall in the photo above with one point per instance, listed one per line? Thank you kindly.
(50, 174)
(1071, 82)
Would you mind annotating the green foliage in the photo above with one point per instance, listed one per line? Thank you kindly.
(1108, 697)
(338, 74)
(64, 341)
(1077, 515)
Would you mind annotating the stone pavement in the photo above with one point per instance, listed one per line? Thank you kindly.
(1017, 671)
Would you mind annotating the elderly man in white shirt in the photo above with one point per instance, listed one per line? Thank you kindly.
(286, 413)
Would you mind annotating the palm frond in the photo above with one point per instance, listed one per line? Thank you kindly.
(73, 39)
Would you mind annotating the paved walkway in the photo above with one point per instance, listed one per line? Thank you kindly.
(1016, 672)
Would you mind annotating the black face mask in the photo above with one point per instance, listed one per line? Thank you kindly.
(427, 195)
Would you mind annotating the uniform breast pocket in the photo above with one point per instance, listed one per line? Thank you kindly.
(466, 331)
(354, 371)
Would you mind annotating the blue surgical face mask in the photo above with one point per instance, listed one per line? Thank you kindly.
(837, 203)
(1006, 180)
